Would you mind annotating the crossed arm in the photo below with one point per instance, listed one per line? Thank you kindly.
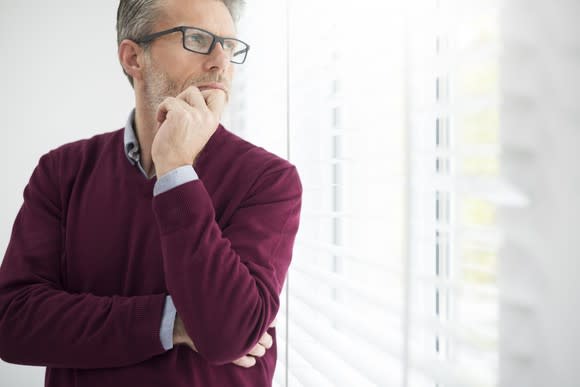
(180, 337)
(173, 330)
(34, 304)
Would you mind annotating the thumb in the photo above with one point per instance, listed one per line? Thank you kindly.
(216, 100)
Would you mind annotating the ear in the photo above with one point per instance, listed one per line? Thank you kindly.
(131, 58)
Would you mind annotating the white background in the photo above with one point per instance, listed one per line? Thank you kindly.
(60, 81)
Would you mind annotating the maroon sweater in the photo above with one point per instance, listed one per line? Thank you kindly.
(93, 255)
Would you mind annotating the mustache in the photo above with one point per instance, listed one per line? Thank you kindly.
(209, 79)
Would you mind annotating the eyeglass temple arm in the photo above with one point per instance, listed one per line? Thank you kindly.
(150, 38)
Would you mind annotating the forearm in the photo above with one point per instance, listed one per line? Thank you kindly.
(226, 283)
(42, 326)
(225, 305)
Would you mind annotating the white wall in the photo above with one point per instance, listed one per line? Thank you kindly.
(540, 265)
(59, 81)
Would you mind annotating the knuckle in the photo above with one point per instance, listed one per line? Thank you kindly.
(266, 339)
(259, 350)
(189, 93)
(246, 362)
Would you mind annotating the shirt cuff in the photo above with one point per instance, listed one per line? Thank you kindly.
(174, 178)
(167, 323)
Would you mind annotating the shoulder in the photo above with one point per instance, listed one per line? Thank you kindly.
(249, 167)
(270, 177)
(253, 156)
(58, 168)
(71, 155)
(92, 144)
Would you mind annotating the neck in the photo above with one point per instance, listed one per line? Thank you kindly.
(145, 130)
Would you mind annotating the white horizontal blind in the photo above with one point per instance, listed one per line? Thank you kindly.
(454, 55)
(392, 123)
(347, 139)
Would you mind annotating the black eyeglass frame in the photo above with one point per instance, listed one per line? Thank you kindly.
(149, 38)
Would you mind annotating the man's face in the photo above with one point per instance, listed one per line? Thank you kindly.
(169, 68)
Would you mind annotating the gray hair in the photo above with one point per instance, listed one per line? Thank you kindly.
(135, 18)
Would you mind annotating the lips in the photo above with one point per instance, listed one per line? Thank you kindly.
(210, 86)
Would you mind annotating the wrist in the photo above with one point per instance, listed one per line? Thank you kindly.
(164, 168)
(178, 331)
(180, 335)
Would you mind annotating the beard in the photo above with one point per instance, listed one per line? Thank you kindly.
(158, 85)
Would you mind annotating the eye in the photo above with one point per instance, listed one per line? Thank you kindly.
(199, 39)
(230, 45)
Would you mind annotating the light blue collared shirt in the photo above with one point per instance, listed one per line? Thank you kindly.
(170, 180)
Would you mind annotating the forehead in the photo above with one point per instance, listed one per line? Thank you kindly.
(211, 15)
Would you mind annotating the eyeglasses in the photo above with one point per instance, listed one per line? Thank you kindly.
(203, 42)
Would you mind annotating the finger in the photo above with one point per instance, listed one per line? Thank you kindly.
(273, 325)
(258, 351)
(169, 104)
(193, 97)
(266, 340)
(246, 362)
(216, 100)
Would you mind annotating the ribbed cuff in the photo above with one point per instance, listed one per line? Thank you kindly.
(188, 205)
(174, 178)
(146, 326)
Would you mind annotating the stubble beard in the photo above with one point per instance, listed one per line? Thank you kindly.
(158, 86)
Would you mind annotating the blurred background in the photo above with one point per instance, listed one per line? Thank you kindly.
(437, 145)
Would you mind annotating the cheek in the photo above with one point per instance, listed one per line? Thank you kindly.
(230, 73)
(180, 63)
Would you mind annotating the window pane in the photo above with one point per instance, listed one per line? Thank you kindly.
(347, 139)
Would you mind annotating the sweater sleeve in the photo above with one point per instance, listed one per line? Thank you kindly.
(42, 324)
(225, 284)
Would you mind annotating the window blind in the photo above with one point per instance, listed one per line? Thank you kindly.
(347, 137)
(453, 127)
(390, 115)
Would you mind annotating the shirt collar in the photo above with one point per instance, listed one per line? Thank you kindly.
(131, 143)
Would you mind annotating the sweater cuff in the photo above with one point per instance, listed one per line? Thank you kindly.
(174, 178)
(184, 206)
(167, 323)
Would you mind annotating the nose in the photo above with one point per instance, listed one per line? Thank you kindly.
(218, 58)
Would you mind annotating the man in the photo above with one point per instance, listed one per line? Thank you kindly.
(155, 255)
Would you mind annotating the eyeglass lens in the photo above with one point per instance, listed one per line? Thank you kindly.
(200, 41)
